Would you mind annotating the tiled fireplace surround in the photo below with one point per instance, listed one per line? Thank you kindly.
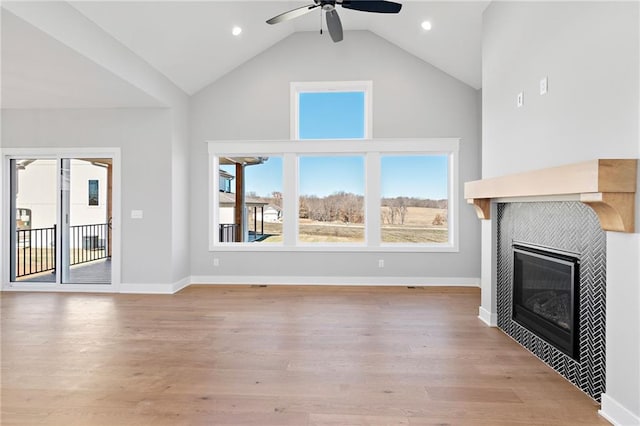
(569, 226)
(586, 208)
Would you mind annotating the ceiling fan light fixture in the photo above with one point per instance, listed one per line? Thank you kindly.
(426, 25)
(236, 31)
(333, 20)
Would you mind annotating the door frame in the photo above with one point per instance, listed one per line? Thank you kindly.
(7, 154)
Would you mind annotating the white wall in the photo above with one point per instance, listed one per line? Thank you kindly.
(144, 136)
(410, 99)
(37, 191)
(590, 52)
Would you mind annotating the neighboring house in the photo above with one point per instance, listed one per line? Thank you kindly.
(230, 229)
(36, 196)
(272, 214)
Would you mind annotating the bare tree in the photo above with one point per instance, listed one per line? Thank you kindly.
(276, 199)
(340, 206)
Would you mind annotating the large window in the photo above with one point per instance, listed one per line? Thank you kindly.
(337, 188)
(384, 195)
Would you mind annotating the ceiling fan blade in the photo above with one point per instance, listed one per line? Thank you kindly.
(292, 14)
(334, 25)
(372, 6)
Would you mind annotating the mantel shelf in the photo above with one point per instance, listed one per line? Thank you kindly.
(607, 186)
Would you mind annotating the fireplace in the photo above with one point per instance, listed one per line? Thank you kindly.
(546, 295)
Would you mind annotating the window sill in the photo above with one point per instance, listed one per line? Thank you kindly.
(337, 248)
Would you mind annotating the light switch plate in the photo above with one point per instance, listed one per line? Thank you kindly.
(544, 86)
(136, 214)
(520, 99)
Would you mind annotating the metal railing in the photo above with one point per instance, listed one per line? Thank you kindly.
(35, 251)
(88, 242)
(229, 232)
(36, 248)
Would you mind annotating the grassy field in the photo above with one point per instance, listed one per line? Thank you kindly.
(418, 228)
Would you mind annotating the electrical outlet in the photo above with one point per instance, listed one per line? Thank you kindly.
(544, 86)
(381, 263)
(216, 261)
(520, 99)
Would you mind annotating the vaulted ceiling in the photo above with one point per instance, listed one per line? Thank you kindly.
(190, 42)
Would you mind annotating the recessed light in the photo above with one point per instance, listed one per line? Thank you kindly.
(236, 31)
(426, 25)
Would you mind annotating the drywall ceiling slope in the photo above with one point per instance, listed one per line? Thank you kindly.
(454, 44)
(192, 45)
(40, 72)
(189, 42)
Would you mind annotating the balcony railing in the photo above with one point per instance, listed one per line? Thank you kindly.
(35, 251)
(229, 232)
(88, 242)
(36, 248)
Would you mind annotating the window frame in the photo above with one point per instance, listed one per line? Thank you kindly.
(372, 150)
(331, 86)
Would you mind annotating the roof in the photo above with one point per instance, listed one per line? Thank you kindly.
(229, 200)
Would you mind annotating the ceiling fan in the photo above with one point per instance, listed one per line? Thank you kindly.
(333, 20)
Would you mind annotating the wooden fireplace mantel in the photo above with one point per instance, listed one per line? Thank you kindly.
(607, 186)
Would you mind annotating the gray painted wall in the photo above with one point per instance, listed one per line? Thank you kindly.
(144, 136)
(180, 245)
(410, 99)
(590, 52)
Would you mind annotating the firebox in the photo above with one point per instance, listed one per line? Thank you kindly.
(546, 295)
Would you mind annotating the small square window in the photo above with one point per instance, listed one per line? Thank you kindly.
(331, 110)
(332, 115)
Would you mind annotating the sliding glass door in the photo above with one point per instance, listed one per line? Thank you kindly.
(60, 224)
(34, 220)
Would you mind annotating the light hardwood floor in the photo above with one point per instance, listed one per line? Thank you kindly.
(219, 355)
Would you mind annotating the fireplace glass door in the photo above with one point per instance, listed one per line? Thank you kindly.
(545, 295)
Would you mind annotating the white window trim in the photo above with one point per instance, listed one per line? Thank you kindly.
(332, 86)
(372, 150)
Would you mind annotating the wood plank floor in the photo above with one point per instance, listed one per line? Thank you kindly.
(221, 355)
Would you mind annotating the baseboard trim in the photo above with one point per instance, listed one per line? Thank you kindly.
(616, 413)
(150, 288)
(179, 285)
(56, 288)
(171, 288)
(319, 280)
(487, 317)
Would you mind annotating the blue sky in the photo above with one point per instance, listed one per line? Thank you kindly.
(331, 115)
(419, 176)
(336, 115)
(324, 176)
